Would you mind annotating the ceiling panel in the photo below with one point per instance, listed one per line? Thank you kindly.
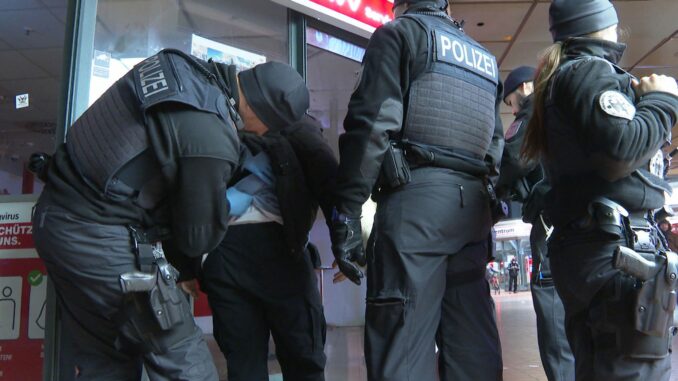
(648, 19)
(46, 30)
(666, 55)
(536, 28)
(643, 72)
(49, 59)
(55, 3)
(19, 4)
(500, 20)
(13, 66)
(496, 48)
(61, 13)
(523, 53)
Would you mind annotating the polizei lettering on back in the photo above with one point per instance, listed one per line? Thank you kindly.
(152, 77)
(454, 50)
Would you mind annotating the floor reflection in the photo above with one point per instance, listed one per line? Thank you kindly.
(516, 324)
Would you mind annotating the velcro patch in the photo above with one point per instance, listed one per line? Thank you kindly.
(459, 51)
(616, 104)
(154, 79)
(513, 129)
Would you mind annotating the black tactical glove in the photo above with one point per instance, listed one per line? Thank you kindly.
(347, 245)
(38, 163)
(314, 254)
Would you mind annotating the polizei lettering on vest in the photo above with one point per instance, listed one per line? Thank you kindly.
(453, 50)
(152, 77)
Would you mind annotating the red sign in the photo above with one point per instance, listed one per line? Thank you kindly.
(371, 12)
(23, 289)
(16, 236)
(22, 318)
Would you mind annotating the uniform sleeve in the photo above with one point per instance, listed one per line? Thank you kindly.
(198, 152)
(620, 133)
(513, 167)
(374, 111)
(319, 164)
(496, 149)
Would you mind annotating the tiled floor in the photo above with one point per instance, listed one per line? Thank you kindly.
(516, 322)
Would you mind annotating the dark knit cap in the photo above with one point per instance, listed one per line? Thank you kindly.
(276, 93)
(440, 4)
(570, 18)
(517, 77)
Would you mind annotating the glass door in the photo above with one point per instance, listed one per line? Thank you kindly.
(333, 60)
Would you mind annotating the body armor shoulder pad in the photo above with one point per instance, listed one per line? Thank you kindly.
(168, 77)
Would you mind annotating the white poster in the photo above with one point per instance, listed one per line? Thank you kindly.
(205, 49)
(10, 307)
(36, 306)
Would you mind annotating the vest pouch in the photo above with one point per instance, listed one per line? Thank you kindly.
(395, 170)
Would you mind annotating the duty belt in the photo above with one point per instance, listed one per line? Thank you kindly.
(419, 155)
(646, 258)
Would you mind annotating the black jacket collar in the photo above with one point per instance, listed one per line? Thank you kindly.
(586, 46)
(525, 107)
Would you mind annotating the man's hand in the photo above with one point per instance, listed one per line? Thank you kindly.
(190, 287)
(347, 246)
(338, 276)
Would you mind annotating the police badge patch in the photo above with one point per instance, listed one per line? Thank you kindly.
(616, 104)
(513, 129)
(656, 165)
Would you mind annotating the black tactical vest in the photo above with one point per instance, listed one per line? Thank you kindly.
(452, 103)
(112, 132)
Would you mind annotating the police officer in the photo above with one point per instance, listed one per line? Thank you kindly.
(148, 161)
(424, 119)
(525, 183)
(598, 130)
(260, 280)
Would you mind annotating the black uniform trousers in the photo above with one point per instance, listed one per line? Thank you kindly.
(599, 304)
(255, 289)
(554, 349)
(513, 283)
(111, 332)
(425, 283)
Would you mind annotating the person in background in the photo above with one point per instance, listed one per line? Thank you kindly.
(524, 182)
(514, 271)
(671, 238)
(260, 280)
(598, 132)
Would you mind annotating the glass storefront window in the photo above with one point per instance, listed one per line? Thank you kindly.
(243, 32)
(333, 65)
(31, 55)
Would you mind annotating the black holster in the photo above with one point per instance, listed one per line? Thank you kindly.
(158, 278)
(655, 271)
(395, 170)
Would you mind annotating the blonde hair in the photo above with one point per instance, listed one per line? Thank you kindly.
(535, 143)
